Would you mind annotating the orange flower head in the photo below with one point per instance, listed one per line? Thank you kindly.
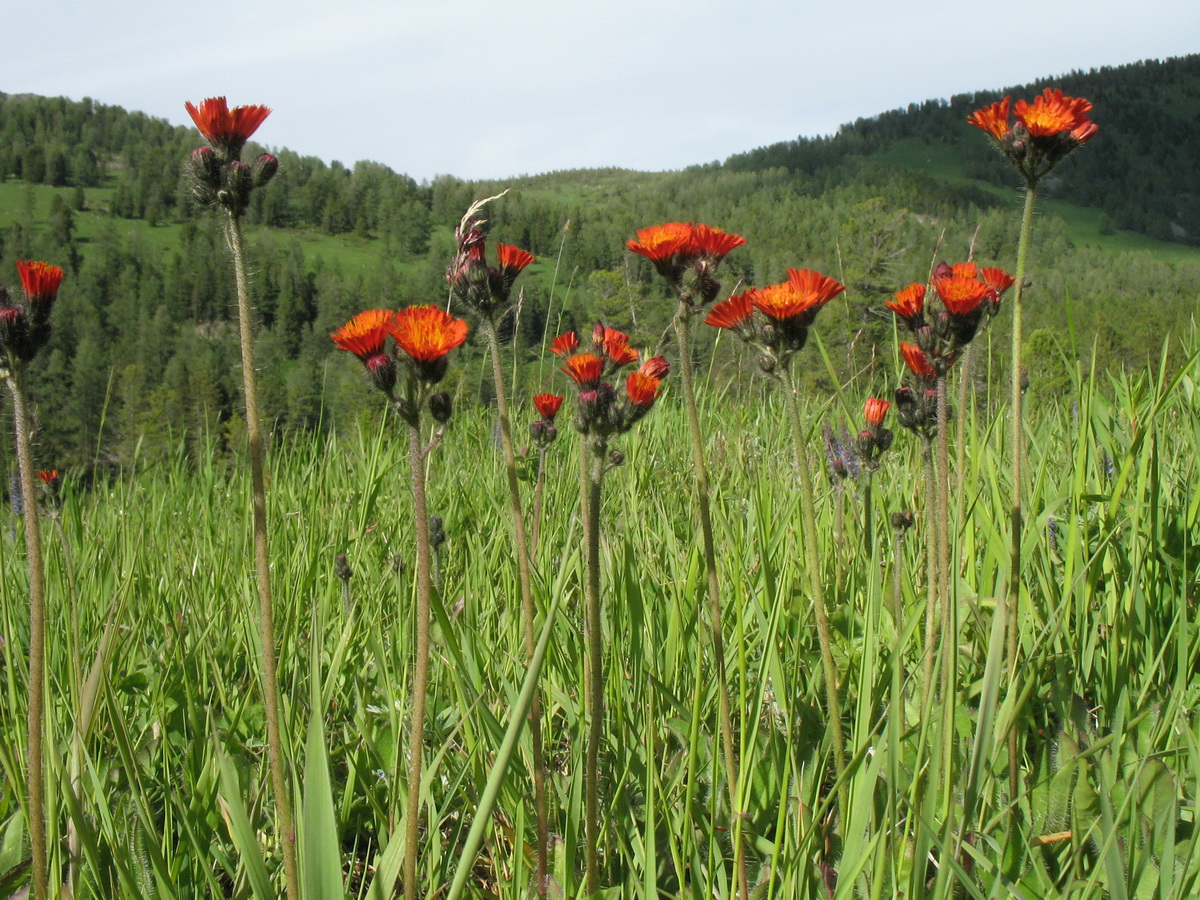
(49, 476)
(733, 312)
(565, 344)
(365, 334)
(965, 269)
(584, 369)
(715, 243)
(997, 279)
(40, 280)
(655, 367)
(1054, 113)
(917, 362)
(513, 259)
(961, 295)
(875, 409)
(909, 303)
(992, 119)
(817, 289)
(616, 347)
(547, 405)
(426, 333)
(662, 243)
(642, 390)
(226, 129)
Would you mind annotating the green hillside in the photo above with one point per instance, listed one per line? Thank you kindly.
(144, 353)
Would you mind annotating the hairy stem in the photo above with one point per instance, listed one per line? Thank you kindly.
(35, 812)
(704, 514)
(416, 737)
(595, 455)
(525, 580)
(262, 559)
(1013, 596)
(813, 563)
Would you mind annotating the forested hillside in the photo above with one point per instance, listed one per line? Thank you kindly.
(143, 357)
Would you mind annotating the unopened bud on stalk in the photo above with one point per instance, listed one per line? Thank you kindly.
(440, 407)
(264, 169)
(341, 568)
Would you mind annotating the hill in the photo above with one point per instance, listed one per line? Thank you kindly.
(143, 348)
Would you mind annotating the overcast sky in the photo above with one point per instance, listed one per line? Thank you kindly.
(509, 87)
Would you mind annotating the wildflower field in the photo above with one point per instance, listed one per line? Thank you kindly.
(661, 634)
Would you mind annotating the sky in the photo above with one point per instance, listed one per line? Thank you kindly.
(510, 87)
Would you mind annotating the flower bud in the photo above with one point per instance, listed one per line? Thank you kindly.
(437, 532)
(382, 369)
(341, 568)
(440, 406)
(264, 169)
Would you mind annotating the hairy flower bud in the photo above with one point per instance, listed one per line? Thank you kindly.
(440, 406)
(264, 168)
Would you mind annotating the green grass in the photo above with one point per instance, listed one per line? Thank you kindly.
(173, 795)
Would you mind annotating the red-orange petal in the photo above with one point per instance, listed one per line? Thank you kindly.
(426, 333)
(513, 259)
(584, 369)
(732, 312)
(222, 125)
(547, 405)
(961, 295)
(997, 279)
(817, 289)
(993, 119)
(875, 409)
(909, 302)
(642, 389)
(365, 334)
(565, 344)
(917, 362)
(714, 242)
(39, 279)
(660, 242)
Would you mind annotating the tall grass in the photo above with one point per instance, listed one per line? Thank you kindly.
(173, 795)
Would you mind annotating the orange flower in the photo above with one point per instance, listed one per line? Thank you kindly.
(732, 312)
(917, 362)
(584, 368)
(875, 409)
(960, 294)
(426, 333)
(642, 389)
(713, 242)
(992, 119)
(565, 344)
(909, 303)
(997, 279)
(965, 269)
(1053, 113)
(365, 334)
(226, 129)
(513, 259)
(816, 288)
(616, 347)
(48, 476)
(547, 405)
(660, 243)
(40, 280)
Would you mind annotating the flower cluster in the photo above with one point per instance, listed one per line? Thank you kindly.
(217, 174)
(1043, 132)
(543, 431)
(687, 256)
(485, 289)
(874, 440)
(601, 413)
(966, 294)
(786, 312)
(424, 334)
(25, 324)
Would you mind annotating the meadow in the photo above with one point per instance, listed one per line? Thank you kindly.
(156, 748)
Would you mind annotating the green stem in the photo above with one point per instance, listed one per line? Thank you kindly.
(35, 812)
(526, 587)
(266, 614)
(869, 515)
(595, 449)
(960, 450)
(538, 491)
(1013, 596)
(704, 513)
(813, 563)
(931, 580)
(416, 738)
(946, 601)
